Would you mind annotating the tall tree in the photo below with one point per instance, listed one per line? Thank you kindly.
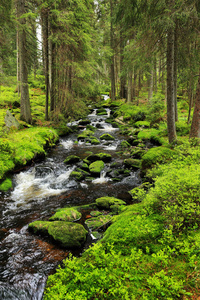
(25, 109)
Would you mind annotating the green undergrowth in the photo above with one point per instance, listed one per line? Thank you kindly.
(19, 147)
(152, 248)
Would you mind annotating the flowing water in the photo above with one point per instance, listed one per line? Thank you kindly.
(26, 259)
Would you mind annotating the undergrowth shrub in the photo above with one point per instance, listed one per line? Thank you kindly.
(156, 155)
(156, 109)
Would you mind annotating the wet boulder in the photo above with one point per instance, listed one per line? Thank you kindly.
(72, 159)
(132, 163)
(106, 202)
(107, 137)
(69, 214)
(67, 234)
(105, 157)
(78, 175)
(96, 167)
(84, 122)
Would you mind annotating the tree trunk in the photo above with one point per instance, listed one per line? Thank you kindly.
(150, 94)
(112, 66)
(45, 30)
(122, 77)
(170, 87)
(195, 127)
(25, 109)
(129, 92)
(175, 72)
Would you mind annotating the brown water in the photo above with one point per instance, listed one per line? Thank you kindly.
(26, 259)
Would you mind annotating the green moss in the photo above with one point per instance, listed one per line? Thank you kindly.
(94, 141)
(71, 159)
(124, 144)
(95, 213)
(6, 185)
(96, 167)
(106, 202)
(96, 222)
(66, 214)
(77, 175)
(153, 135)
(132, 163)
(156, 155)
(107, 137)
(69, 235)
(144, 124)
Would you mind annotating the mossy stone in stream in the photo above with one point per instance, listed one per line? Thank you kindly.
(71, 159)
(84, 166)
(95, 213)
(107, 137)
(96, 167)
(39, 227)
(132, 163)
(105, 157)
(6, 185)
(77, 175)
(84, 122)
(94, 141)
(124, 144)
(68, 234)
(106, 202)
(96, 222)
(69, 214)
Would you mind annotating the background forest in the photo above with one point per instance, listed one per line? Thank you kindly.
(57, 58)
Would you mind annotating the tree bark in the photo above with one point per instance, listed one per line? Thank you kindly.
(112, 66)
(25, 109)
(45, 31)
(129, 92)
(175, 71)
(170, 87)
(195, 127)
(122, 77)
(150, 93)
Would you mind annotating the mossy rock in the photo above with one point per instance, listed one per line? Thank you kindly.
(97, 222)
(85, 134)
(137, 153)
(64, 130)
(124, 144)
(96, 167)
(69, 214)
(101, 111)
(132, 163)
(105, 157)
(77, 175)
(156, 155)
(95, 213)
(39, 227)
(72, 159)
(84, 122)
(106, 202)
(6, 185)
(67, 234)
(96, 235)
(84, 166)
(143, 124)
(94, 141)
(107, 137)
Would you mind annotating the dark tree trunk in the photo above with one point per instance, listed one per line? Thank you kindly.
(112, 66)
(45, 31)
(175, 71)
(25, 109)
(195, 127)
(170, 87)
(122, 76)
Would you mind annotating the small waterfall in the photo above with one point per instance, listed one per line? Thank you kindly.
(102, 178)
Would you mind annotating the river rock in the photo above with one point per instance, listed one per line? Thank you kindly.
(96, 167)
(69, 214)
(106, 202)
(132, 163)
(71, 159)
(78, 175)
(10, 120)
(107, 137)
(67, 234)
(105, 157)
(84, 122)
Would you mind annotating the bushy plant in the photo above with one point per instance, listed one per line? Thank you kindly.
(156, 109)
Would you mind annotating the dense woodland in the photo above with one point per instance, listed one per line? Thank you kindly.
(56, 59)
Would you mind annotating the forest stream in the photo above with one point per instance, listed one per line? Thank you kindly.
(27, 259)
